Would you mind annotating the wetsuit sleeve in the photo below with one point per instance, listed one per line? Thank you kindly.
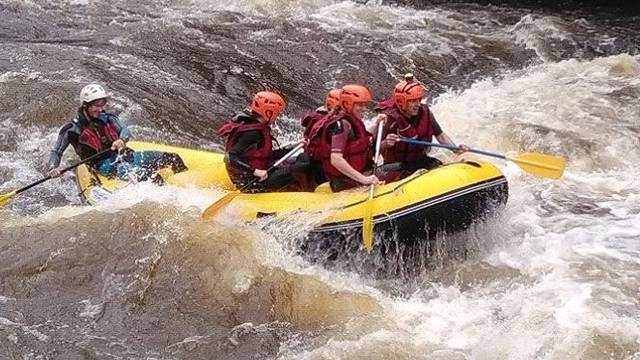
(339, 133)
(58, 149)
(123, 130)
(437, 130)
(246, 140)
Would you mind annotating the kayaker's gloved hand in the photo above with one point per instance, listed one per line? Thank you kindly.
(55, 172)
(118, 145)
(262, 175)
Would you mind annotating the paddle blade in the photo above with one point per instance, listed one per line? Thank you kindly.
(548, 166)
(4, 198)
(367, 226)
(214, 208)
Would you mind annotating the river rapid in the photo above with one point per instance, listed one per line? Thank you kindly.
(555, 275)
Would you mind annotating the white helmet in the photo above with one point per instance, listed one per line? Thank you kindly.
(92, 92)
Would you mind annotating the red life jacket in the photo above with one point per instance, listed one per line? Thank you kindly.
(357, 152)
(258, 158)
(96, 138)
(310, 119)
(397, 123)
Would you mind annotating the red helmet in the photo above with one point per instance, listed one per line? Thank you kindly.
(352, 94)
(333, 99)
(408, 89)
(268, 105)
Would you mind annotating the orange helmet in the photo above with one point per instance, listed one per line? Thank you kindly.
(333, 99)
(408, 89)
(352, 94)
(268, 105)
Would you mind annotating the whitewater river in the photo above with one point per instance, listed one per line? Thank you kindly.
(554, 275)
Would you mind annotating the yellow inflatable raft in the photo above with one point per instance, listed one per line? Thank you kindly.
(414, 209)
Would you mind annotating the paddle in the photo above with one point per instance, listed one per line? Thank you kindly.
(213, 209)
(4, 198)
(548, 166)
(367, 219)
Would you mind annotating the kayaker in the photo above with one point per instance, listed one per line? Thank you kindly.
(249, 146)
(93, 130)
(408, 117)
(307, 169)
(343, 143)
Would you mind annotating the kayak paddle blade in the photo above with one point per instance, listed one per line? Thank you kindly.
(4, 198)
(367, 226)
(547, 166)
(214, 208)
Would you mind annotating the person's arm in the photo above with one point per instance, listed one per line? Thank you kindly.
(442, 137)
(58, 150)
(123, 133)
(123, 129)
(437, 130)
(245, 141)
(339, 162)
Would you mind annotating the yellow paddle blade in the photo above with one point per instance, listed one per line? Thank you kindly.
(4, 198)
(548, 166)
(367, 226)
(214, 208)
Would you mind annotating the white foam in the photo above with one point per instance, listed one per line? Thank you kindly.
(184, 197)
(4, 299)
(91, 311)
(534, 32)
(565, 97)
(26, 329)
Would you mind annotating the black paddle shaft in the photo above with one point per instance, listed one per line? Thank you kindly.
(63, 170)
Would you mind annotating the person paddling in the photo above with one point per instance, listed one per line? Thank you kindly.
(249, 146)
(343, 143)
(408, 117)
(93, 130)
